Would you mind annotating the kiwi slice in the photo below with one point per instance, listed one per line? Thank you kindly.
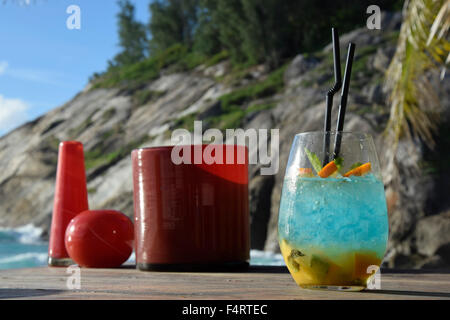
(319, 266)
(296, 253)
(293, 264)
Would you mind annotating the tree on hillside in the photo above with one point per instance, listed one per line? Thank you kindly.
(171, 22)
(251, 31)
(206, 36)
(266, 38)
(231, 21)
(132, 36)
(268, 31)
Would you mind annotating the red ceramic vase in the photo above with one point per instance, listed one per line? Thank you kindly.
(70, 199)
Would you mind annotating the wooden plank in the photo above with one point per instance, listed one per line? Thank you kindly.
(259, 283)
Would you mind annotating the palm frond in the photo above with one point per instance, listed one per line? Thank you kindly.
(441, 24)
(422, 46)
(439, 30)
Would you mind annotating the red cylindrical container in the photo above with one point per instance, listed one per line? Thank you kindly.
(70, 199)
(191, 215)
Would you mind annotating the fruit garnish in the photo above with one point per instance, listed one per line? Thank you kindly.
(355, 165)
(319, 267)
(293, 264)
(314, 159)
(359, 171)
(328, 170)
(339, 161)
(292, 256)
(362, 261)
(296, 253)
(306, 172)
(335, 274)
(331, 168)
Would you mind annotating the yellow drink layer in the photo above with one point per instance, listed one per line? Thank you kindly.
(330, 266)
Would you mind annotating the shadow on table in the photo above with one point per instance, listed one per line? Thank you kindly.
(268, 269)
(213, 269)
(410, 293)
(10, 293)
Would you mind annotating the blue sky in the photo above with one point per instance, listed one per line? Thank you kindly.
(43, 64)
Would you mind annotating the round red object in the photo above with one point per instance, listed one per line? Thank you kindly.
(100, 238)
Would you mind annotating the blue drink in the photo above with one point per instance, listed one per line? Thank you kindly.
(331, 230)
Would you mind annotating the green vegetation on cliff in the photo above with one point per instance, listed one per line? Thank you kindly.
(186, 33)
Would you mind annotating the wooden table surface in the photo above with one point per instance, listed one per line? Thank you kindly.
(256, 284)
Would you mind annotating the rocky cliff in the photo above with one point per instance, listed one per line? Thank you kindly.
(111, 122)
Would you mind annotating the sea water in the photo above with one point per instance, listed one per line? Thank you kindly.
(23, 248)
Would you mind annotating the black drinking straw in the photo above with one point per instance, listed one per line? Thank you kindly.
(344, 95)
(330, 94)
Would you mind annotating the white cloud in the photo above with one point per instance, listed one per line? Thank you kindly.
(3, 66)
(13, 112)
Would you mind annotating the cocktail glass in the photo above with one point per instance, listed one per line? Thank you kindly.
(332, 223)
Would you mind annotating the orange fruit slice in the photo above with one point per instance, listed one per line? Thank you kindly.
(359, 171)
(328, 170)
(306, 172)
